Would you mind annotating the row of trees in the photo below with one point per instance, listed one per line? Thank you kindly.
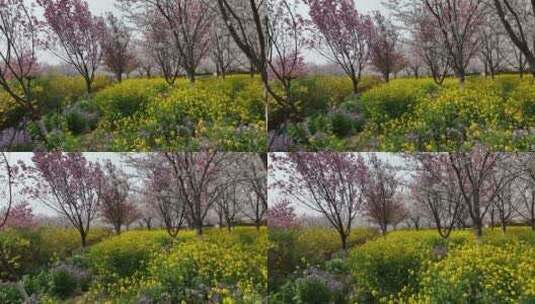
(451, 34)
(444, 191)
(173, 37)
(472, 189)
(178, 190)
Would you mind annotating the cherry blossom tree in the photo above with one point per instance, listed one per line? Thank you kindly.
(458, 21)
(425, 38)
(114, 204)
(158, 41)
(189, 23)
(518, 19)
(331, 184)
(21, 217)
(116, 47)
(165, 200)
(199, 179)
(67, 184)
(74, 35)
(19, 43)
(282, 216)
(436, 193)
(341, 35)
(382, 206)
(385, 47)
(480, 176)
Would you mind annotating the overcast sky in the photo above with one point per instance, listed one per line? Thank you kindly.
(100, 7)
(275, 196)
(38, 208)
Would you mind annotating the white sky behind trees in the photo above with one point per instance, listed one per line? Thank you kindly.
(38, 209)
(100, 7)
(395, 160)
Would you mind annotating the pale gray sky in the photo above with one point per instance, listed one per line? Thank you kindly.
(100, 7)
(14, 158)
(275, 196)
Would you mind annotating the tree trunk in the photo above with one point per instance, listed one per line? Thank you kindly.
(343, 238)
(191, 76)
(84, 241)
(504, 226)
(199, 227)
(88, 84)
(462, 79)
(387, 77)
(478, 229)
(355, 83)
(118, 229)
(119, 77)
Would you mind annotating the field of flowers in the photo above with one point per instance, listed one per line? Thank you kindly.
(146, 114)
(420, 267)
(410, 114)
(150, 267)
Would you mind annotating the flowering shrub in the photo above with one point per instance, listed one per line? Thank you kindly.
(481, 274)
(29, 251)
(221, 267)
(127, 98)
(221, 114)
(125, 255)
(416, 115)
(420, 267)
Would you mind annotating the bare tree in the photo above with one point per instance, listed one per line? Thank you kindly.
(458, 21)
(199, 182)
(381, 204)
(516, 59)
(19, 42)
(435, 192)
(478, 180)
(492, 46)
(114, 204)
(223, 50)
(518, 19)
(229, 205)
(385, 47)
(188, 22)
(6, 192)
(159, 44)
(167, 203)
(116, 47)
